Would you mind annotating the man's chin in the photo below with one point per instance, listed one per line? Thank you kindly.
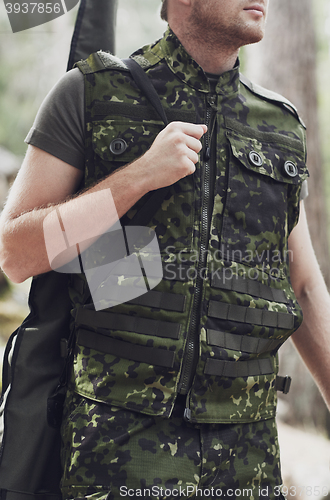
(253, 36)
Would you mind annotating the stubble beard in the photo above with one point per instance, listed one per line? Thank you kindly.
(207, 30)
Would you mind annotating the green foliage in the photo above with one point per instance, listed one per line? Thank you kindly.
(31, 62)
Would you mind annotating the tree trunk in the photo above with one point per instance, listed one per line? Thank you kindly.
(285, 61)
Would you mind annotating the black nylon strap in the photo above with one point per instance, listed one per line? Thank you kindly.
(134, 352)
(94, 29)
(144, 84)
(234, 369)
(123, 322)
(154, 202)
(250, 315)
(244, 343)
(248, 286)
(161, 300)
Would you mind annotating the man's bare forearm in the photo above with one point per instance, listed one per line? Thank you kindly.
(312, 339)
(23, 244)
(23, 251)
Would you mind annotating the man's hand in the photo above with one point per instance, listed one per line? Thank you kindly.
(172, 156)
(44, 179)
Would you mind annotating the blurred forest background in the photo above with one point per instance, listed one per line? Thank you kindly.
(294, 60)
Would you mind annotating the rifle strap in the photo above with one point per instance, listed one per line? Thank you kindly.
(144, 215)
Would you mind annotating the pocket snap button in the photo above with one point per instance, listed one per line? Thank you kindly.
(255, 158)
(290, 169)
(118, 146)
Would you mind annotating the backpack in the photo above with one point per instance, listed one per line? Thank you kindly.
(34, 366)
(30, 448)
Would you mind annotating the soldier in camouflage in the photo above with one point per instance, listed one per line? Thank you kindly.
(173, 394)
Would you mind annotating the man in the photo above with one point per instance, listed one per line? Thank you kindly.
(168, 397)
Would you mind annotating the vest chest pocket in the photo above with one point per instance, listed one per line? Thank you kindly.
(117, 142)
(264, 182)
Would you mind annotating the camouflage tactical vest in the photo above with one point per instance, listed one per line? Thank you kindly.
(212, 328)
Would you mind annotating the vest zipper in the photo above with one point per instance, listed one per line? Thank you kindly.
(192, 346)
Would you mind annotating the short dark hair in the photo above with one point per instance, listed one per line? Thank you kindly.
(163, 12)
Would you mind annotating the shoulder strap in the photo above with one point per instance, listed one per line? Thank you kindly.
(144, 84)
(271, 96)
(144, 215)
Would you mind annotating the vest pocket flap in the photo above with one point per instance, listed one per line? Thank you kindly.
(277, 161)
(124, 141)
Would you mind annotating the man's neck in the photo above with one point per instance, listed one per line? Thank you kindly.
(211, 61)
(215, 61)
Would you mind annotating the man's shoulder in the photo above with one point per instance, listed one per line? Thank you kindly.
(102, 60)
(272, 97)
(99, 61)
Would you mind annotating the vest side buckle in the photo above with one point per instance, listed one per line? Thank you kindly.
(283, 384)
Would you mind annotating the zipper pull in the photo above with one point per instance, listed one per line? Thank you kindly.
(187, 410)
(187, 414)
(207, 154)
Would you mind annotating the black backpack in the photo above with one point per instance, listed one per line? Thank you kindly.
(30, 448)
(34, 362)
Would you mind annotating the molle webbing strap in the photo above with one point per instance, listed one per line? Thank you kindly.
(250, 315)
(177, 272)
(244, 343)
(130, 111)
(262, 136)
(161, 300)
(171, 270)
(251, 287)
(234, 369)
(121, 349)
(123, 322)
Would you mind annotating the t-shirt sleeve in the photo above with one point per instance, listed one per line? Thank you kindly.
(58, 127)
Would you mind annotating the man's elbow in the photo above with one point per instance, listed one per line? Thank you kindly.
(11, 269)
(9, 262)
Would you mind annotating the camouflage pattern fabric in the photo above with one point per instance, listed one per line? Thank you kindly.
(112, 453)
(223, 236)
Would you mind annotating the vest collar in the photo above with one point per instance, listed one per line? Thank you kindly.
(189, 71)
